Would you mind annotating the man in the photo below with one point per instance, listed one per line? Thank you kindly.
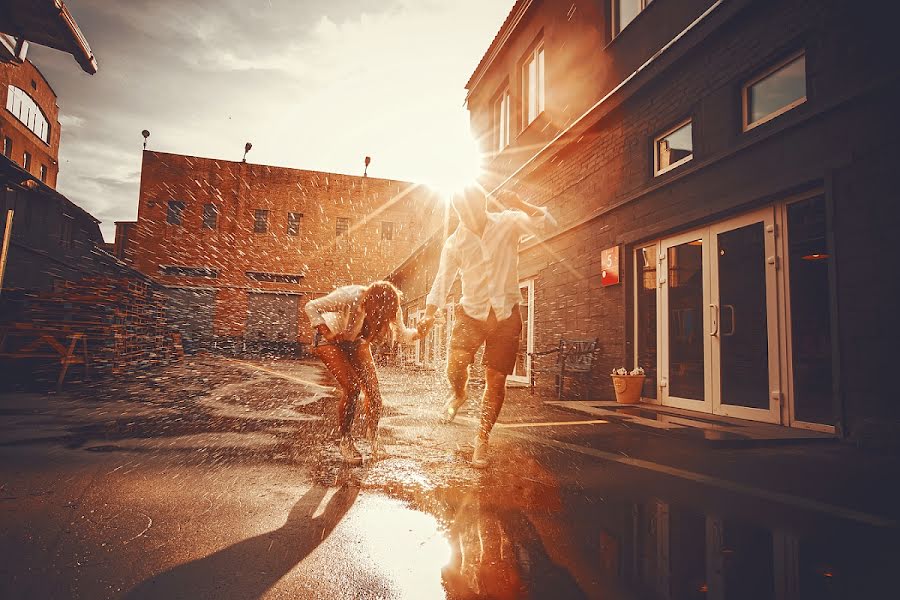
(484, 251)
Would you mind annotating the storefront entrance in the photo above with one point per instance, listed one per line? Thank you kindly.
(723, 339)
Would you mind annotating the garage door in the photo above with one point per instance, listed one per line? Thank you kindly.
(190, 311)
(272, 317)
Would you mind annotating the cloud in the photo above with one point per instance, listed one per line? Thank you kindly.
(314, 85)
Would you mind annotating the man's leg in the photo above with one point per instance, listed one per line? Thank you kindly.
(466, 337)
(492, 401)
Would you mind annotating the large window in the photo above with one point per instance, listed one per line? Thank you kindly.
(501, 121)
(533, 85)
(23, 107)
(175, 212)
(293, 224)
(672, 148)
(260, 220)
(210, 216)
(624, 12)
(775, 91)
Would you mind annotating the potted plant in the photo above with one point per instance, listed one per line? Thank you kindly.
(628, 386)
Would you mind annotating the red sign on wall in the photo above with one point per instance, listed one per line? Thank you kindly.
(609, 260)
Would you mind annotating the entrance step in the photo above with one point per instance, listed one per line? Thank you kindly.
(714, 430)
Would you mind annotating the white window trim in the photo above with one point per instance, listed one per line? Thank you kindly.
(656, 170)
(614, 13)
(745, 89)
(541, 103)
(502, 115)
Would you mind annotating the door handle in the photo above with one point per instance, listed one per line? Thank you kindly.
(713, 320)
(730, 308)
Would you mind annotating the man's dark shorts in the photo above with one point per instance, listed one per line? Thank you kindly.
(500, 338)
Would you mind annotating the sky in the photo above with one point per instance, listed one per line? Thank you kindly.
(312, 84)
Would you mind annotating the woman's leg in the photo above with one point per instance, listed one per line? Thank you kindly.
(337, 361)
(364, 366)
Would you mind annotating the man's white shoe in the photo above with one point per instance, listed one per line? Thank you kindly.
(349, 452)
(480, 455)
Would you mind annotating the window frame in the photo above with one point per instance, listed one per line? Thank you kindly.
(204, 224)
(502, 107)
(257, 212)
(658, 138)
(26, 161)
(294, 218)
(538, 55)
(169, 206)
(389, 230)
(760, 76)
(337, 229)
(45, 172)
(614, 15)
(7, 146)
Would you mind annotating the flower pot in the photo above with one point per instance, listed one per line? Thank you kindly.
(628, 388)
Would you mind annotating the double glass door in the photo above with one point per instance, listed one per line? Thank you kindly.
(718, 319)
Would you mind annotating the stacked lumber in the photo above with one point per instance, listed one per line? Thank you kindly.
(122, 320)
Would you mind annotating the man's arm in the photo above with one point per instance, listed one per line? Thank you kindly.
(437, 297)
(534, 216)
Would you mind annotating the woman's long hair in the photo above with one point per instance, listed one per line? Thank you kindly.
(381, 304)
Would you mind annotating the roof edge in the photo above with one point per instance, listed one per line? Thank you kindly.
(515, 16)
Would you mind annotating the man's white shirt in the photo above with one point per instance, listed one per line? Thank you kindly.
(488, 265)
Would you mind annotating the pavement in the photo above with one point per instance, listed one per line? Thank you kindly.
(220, 478)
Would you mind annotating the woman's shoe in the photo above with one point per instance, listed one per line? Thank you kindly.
(349, 452)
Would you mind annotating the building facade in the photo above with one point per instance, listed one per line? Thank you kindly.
(241, 247)
(721, 173)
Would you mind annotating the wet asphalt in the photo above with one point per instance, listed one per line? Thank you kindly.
(220, 478)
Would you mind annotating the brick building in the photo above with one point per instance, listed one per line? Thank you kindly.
(241, 247)
(737, 155)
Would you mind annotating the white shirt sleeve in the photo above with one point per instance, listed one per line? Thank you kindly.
(446, 275)
(403, 334)
(527, 224)
(330, 303)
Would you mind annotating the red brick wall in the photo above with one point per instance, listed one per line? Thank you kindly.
(233, 249)
(22, 75)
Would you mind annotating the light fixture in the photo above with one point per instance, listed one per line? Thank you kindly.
(247, 147)
(146, 135)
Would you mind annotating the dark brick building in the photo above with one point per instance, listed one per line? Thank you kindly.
(737, 154)
(242, 247)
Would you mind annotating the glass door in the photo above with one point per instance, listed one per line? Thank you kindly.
(718, 319)
(743, 309)
(684, 350)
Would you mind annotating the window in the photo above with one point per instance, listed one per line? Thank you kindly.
(533, 85)
(501, 121)
(342, 227)
(624, 12)
(23, 107)
(65, 231)
(674, 147)
(775, 91)
(210, 216)
(7, 147)
(274, 277)
(44, 173)
(293, 224)
(387, 231)
(182, 271)
(260, 220)
(174, 212)
(26, 161)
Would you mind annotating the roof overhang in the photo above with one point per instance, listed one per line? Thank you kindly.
(48, 23)
(515, 16)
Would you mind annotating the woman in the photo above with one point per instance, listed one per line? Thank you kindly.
(347, 322)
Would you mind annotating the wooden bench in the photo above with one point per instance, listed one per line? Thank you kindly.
(573, 357)
(35, 342)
